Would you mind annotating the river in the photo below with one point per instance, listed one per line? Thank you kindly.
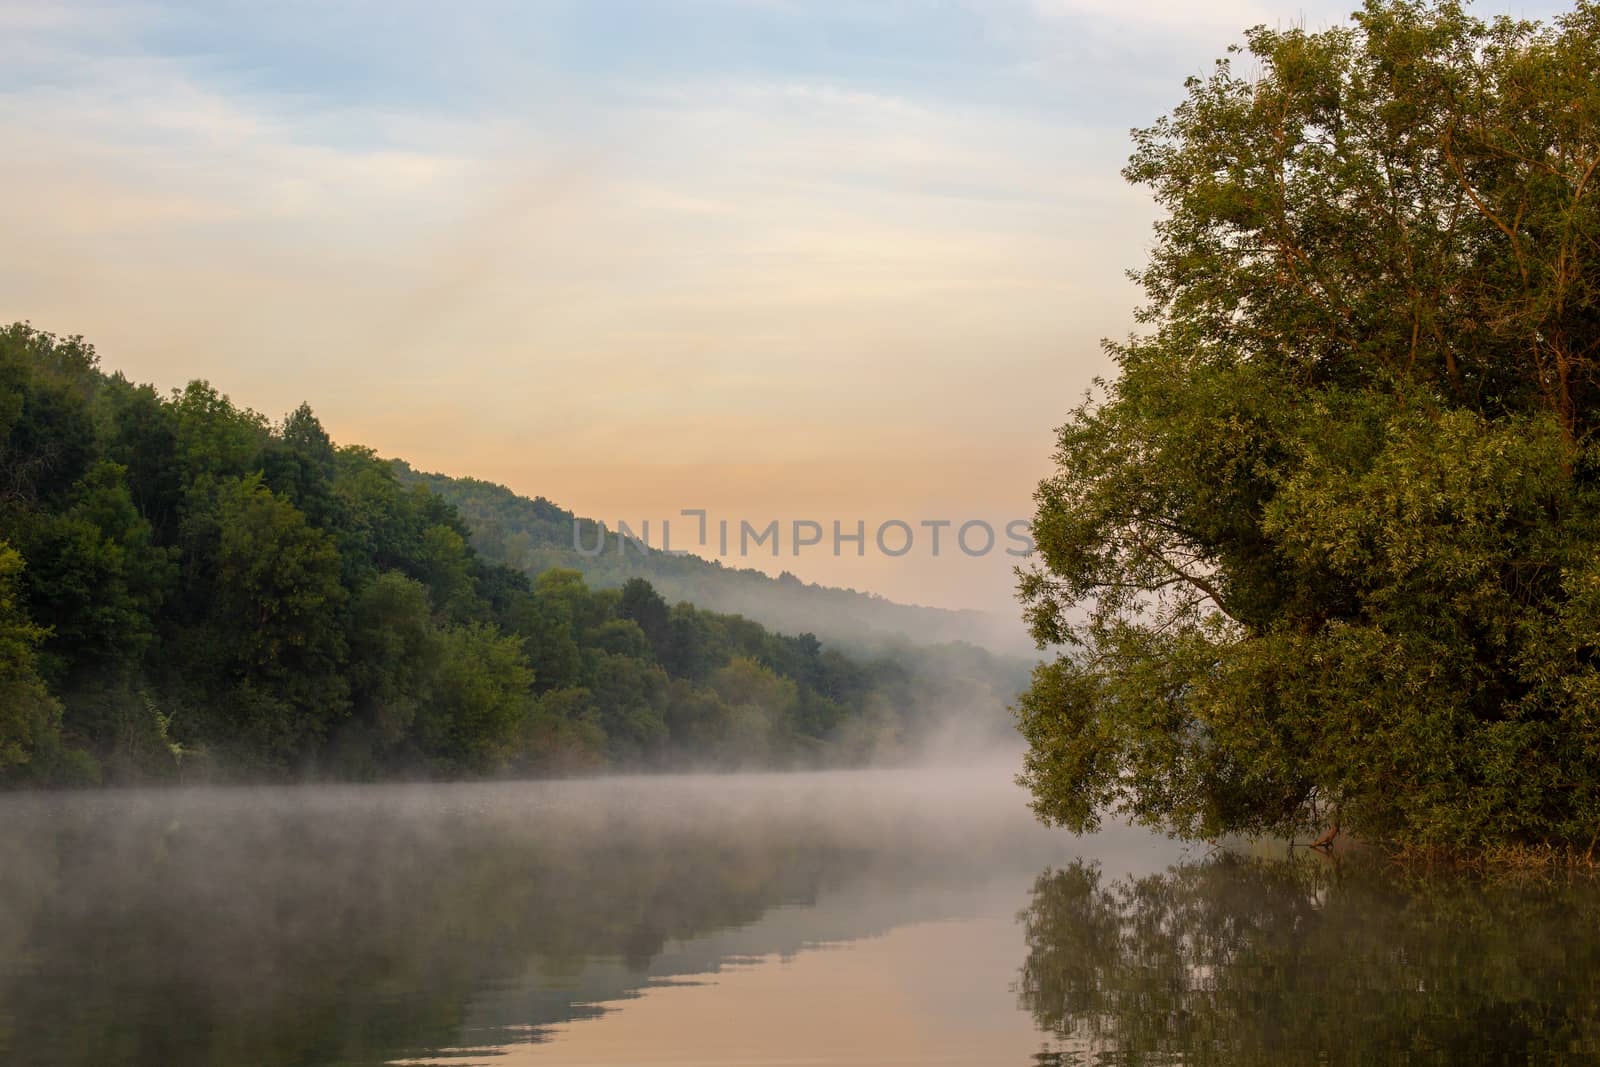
(875, 917)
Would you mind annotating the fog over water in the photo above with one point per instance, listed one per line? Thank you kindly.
(912, 916)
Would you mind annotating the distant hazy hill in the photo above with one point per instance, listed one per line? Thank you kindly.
(535, 534)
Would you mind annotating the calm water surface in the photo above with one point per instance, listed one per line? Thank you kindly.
(828, 919)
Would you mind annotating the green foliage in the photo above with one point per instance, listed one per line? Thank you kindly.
(643, 606)
(758, 703)
(562, 732)
(209, 594)
(632, 696)
(29, 717)
(277, 603)
(46, 433)
(215, 440)
(392, 649)
(101, 578)
(1322, 552)
(477, 698)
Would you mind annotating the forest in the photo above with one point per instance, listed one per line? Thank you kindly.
(536, 534)
(191, 591)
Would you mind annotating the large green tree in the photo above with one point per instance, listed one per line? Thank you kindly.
(1323, 550)
(274, 616)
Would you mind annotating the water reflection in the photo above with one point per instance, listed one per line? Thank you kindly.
(859, 919)
(364, 926)
(1241, 960)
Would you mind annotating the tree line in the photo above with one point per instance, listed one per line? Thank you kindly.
(189, 589)
(534, 534)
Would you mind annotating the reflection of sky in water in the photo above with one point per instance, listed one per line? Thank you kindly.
(870, 973)
(926, 993)
(886, 966)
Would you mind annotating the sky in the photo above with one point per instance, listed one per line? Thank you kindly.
(771, 259)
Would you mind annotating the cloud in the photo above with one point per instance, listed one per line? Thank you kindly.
(786, 277)
(1171, 16)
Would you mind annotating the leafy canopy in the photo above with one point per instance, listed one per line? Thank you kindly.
(188, 590)
(1323, 550)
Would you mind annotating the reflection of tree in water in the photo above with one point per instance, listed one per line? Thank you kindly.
(352, 935)
(1244, 961)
